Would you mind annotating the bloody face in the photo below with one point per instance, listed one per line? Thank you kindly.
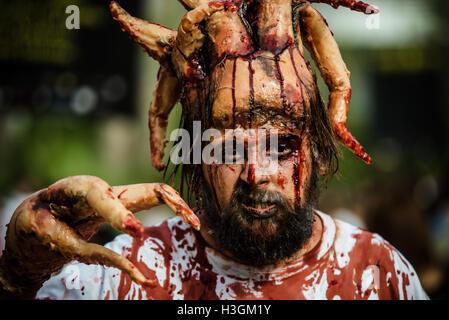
(260, 215)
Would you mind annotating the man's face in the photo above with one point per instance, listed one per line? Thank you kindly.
(257, 215)
(259, 211)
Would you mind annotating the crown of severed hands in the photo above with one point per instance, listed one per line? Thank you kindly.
(180, 53)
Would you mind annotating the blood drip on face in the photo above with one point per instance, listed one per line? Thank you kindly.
(234, 101)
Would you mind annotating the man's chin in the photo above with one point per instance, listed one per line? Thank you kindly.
(256, 233)
(263, 227)
(263, 241)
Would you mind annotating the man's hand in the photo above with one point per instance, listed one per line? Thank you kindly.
(51, 228)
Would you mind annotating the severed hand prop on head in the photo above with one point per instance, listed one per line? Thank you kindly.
(245, 59)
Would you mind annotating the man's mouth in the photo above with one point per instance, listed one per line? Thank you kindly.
(261, 209)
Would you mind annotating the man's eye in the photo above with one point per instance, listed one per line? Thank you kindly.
(283, 151)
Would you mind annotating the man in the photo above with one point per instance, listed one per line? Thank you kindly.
(255, 234)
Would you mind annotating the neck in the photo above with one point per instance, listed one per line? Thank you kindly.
(207, 235)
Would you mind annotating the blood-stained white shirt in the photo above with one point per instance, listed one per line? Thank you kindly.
(348, 263)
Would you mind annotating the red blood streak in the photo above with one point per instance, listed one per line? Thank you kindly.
(251, 175)
(280, 78)
(158, 292)
(228, 5)
(274, 42)
(290, 49)
(293, 98)
(110, 194)
(251, 91)
(281, 180)
(231, 168)
(296, 177)
(405, 283)
(234, 101)
(134, 226)
(366, 254)
(121, 193)
(199, 281)
(301, 171)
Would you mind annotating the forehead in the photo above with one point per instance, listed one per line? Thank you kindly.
(262, 89)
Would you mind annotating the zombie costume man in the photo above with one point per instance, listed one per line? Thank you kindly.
(255, 233)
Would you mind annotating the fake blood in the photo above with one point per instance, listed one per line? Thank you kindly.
(122, 193)
(251, 175)
(296, 178)
(280, 78)
(197, 280)
(234, 101)
(251, 91)
(292, 59)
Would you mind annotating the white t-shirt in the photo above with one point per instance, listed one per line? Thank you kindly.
(348, 263)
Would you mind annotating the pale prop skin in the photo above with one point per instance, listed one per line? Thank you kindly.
(245, 71)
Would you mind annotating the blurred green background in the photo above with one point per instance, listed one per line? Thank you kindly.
(75, 102)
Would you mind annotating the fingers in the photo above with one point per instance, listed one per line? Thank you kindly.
(63, 239)
(351, 4)
(96, 254)
(96, 194)
(101, 198)
(190, 4)
(190, 37)
(320, 41)
(274, 25)
(350, 142)
(146, 196)
(177, 204)
(137, 197)
(164, 99)
(157, 40)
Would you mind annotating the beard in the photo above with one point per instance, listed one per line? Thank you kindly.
(261, 241)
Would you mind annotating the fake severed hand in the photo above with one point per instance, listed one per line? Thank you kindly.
(52, 227)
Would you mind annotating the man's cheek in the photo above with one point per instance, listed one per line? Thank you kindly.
(285, 180)
(226, 179)
(293, 174)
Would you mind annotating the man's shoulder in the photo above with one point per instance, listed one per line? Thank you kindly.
(360, 251)
(355, 247)
(368, 260)
(358, 242)
(344, 237)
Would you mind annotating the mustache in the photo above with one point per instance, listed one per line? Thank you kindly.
(249, 196)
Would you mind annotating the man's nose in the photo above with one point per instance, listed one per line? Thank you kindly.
(257, 171)
(254, 175)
